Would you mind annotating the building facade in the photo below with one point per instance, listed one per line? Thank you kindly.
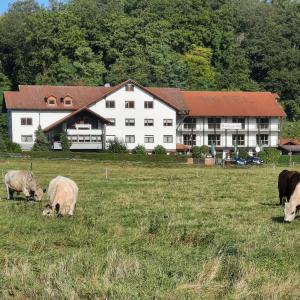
(140, 115)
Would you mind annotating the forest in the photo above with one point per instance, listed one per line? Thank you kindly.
(193, 44)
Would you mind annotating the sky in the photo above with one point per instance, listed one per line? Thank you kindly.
(4, 4)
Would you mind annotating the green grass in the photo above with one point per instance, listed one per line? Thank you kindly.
(151, 231)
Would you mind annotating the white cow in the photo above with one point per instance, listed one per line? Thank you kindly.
(22, 181)
(62, 193)
(290, 208)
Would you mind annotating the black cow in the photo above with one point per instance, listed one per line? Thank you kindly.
(287, 181)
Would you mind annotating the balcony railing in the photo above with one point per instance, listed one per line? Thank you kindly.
(262, 126)
(189, 126)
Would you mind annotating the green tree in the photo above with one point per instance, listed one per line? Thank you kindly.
(65, 143)
(159, 149)
(139, 149)
(41, 143)
(201, 73)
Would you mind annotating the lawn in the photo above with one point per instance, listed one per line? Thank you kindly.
(159, 231)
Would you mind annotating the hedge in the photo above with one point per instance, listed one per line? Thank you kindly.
(104, 156)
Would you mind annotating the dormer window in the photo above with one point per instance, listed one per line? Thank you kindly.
(67, 101)
(129, 87)
(51, 100)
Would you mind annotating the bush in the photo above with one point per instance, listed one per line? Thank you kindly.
(3, 147)
(270, 155)
(13, 147)
(200, 152)
(159, 149)
(117, 146)
(243, 153)
(65, 143)
(139, 149)
(41, 143)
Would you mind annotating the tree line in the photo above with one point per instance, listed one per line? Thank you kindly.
(192, 44)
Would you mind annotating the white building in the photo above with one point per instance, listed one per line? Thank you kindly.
(138, 115)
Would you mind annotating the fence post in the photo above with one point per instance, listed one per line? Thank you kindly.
(105, 173)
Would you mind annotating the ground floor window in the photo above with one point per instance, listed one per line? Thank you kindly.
(149, 139)
(168, 138)
(129, 139)
(214, 139)
(262, 139)
(26, 138)
(189, 139)
(238, 139)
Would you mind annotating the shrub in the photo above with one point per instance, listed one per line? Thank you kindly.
(270, 155)
(41, 143)
(139, 149)
(200, 152)
(243, 153)
(65, 143)
(13, 147)
(159, 149)
(117, 146)
(3, 147)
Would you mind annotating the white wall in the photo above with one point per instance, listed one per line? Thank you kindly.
(44, 118)
(159, 112)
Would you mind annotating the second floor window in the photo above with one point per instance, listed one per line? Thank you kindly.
(148, 122)
(168, 138)
(168, 122)
(110, 104)
(148, 104)
(238, 139)
(129, 122)
(189, 139)
(129, 104)
(214, 139)
(214, 123)
(262, 123)
(26, 121)
(239, 120)
(189, 123)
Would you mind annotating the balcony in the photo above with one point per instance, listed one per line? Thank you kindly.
(189, 126)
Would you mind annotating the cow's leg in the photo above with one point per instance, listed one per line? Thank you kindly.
(26, 193)
(10, 193)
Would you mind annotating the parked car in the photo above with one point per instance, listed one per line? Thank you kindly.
(253, 160)
(239, 161)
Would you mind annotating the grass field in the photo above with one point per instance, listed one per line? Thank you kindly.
(151, 231)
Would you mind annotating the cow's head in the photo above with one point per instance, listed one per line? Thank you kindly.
(289, 212)
(38, 194)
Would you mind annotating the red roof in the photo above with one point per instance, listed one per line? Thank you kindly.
(232, 104)
(198, 103)
(182, 147)
(288, 141)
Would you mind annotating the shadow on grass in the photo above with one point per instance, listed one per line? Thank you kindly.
(278, 219)
(21, 199)
(270, 204)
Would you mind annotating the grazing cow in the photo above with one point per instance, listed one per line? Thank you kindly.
(62, 194)
(286, 185)
(291, 207)
(22, 181)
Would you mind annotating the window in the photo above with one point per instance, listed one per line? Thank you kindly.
(262, 123)
(168, 122)
(148, 104)
(129, 122)
(149, 139)
(51, 101)
(262, 139)
(214, 139)
(129, 104)
(67, 100)
(238, 139)
(96, 138)
(110, 104)
(189, 123)
(112, 122)
(73, 138)
(214, 123)
(26, 121)
(189, 139)
(26, 138)
(129, 87)
(168, 138)
(129, 139)
(148, 122)
(239, 120)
